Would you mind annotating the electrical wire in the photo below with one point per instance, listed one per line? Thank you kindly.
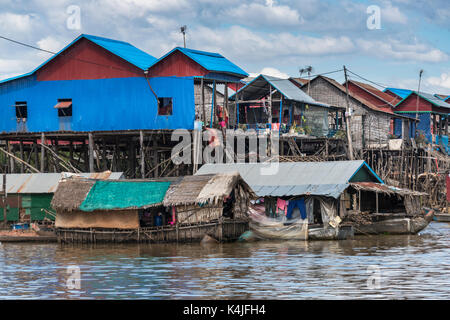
(61, 54)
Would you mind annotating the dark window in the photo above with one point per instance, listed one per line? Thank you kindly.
(164, 106)
(21, 110)
(64, 107)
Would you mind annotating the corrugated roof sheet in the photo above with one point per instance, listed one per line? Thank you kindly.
(400, 92)
(294, 178)
(45, 182)
(211, 61)
(259, 88)
(124, 50)
(434, 100)
(378, 93)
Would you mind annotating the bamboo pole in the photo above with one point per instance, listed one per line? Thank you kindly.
(19, 160)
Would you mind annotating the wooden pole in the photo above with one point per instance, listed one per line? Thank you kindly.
(202, 85)
(5, 222)
(42, 152)
(347, 118)
(142, 146)
(13, 157)
(21, 156)
(91, 152)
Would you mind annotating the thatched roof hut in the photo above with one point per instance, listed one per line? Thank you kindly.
(210, 188)
(84, 203)
(206, 198)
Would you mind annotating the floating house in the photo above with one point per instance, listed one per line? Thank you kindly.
(28, 195)
(109, 105)
(164, 210)
(217, 204)
(322, 194)
(370, 123)
(272, 103)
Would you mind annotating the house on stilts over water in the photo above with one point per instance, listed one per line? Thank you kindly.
(104, 104)
(325, 200)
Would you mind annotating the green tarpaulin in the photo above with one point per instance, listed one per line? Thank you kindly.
(108, 195)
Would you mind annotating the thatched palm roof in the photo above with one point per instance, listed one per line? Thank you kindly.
(71, 193)
(204, 188)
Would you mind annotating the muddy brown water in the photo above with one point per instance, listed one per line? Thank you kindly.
(375, 267)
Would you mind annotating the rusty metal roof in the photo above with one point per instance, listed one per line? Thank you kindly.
(46, 182)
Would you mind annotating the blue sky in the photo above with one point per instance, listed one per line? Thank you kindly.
(275, 37)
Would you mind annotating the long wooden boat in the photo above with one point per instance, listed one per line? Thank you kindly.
(394, 224)
(27, 236)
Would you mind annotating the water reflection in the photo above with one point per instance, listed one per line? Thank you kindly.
(415, 266)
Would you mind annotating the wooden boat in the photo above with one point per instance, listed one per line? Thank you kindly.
(442, 217)
(27, 236)
(394, 224)
(265, 228)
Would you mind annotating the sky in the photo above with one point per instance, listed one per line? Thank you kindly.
(275, 37)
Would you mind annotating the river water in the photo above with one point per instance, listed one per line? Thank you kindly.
(375, 267)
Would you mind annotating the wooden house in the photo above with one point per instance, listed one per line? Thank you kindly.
(272, 103)
(433, 114)
(370, 124)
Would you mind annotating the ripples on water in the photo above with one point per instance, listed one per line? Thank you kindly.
(411, 267)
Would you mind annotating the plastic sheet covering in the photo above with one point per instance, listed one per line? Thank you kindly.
(328, 210)
(277, 229)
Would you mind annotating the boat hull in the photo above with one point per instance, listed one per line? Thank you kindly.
(396, 226)
(443, 217)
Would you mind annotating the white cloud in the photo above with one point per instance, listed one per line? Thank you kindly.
(271, 72)
(391, 48)
(393, 14)
(440, 83)
(16, 22)
(257, 14)
(242, 43)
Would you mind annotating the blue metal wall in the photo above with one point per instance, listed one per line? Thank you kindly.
(102, 104)
(423, 125)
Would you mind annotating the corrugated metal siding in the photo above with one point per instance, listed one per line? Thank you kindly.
(209, 61)
(410, 104)
(72, 64)
(103, 104)
(178, 65)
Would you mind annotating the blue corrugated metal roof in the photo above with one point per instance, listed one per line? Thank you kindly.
(258, 88)
(213, 62)
(403, 93)
(122, 49)
(294, 178)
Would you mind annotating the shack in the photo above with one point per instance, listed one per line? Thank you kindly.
(319, 196)
(90, 210)
(214, 204)
(272, 103)
(28, 195)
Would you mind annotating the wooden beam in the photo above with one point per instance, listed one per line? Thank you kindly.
(42, 152)
(91, 152)
(142, 150)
